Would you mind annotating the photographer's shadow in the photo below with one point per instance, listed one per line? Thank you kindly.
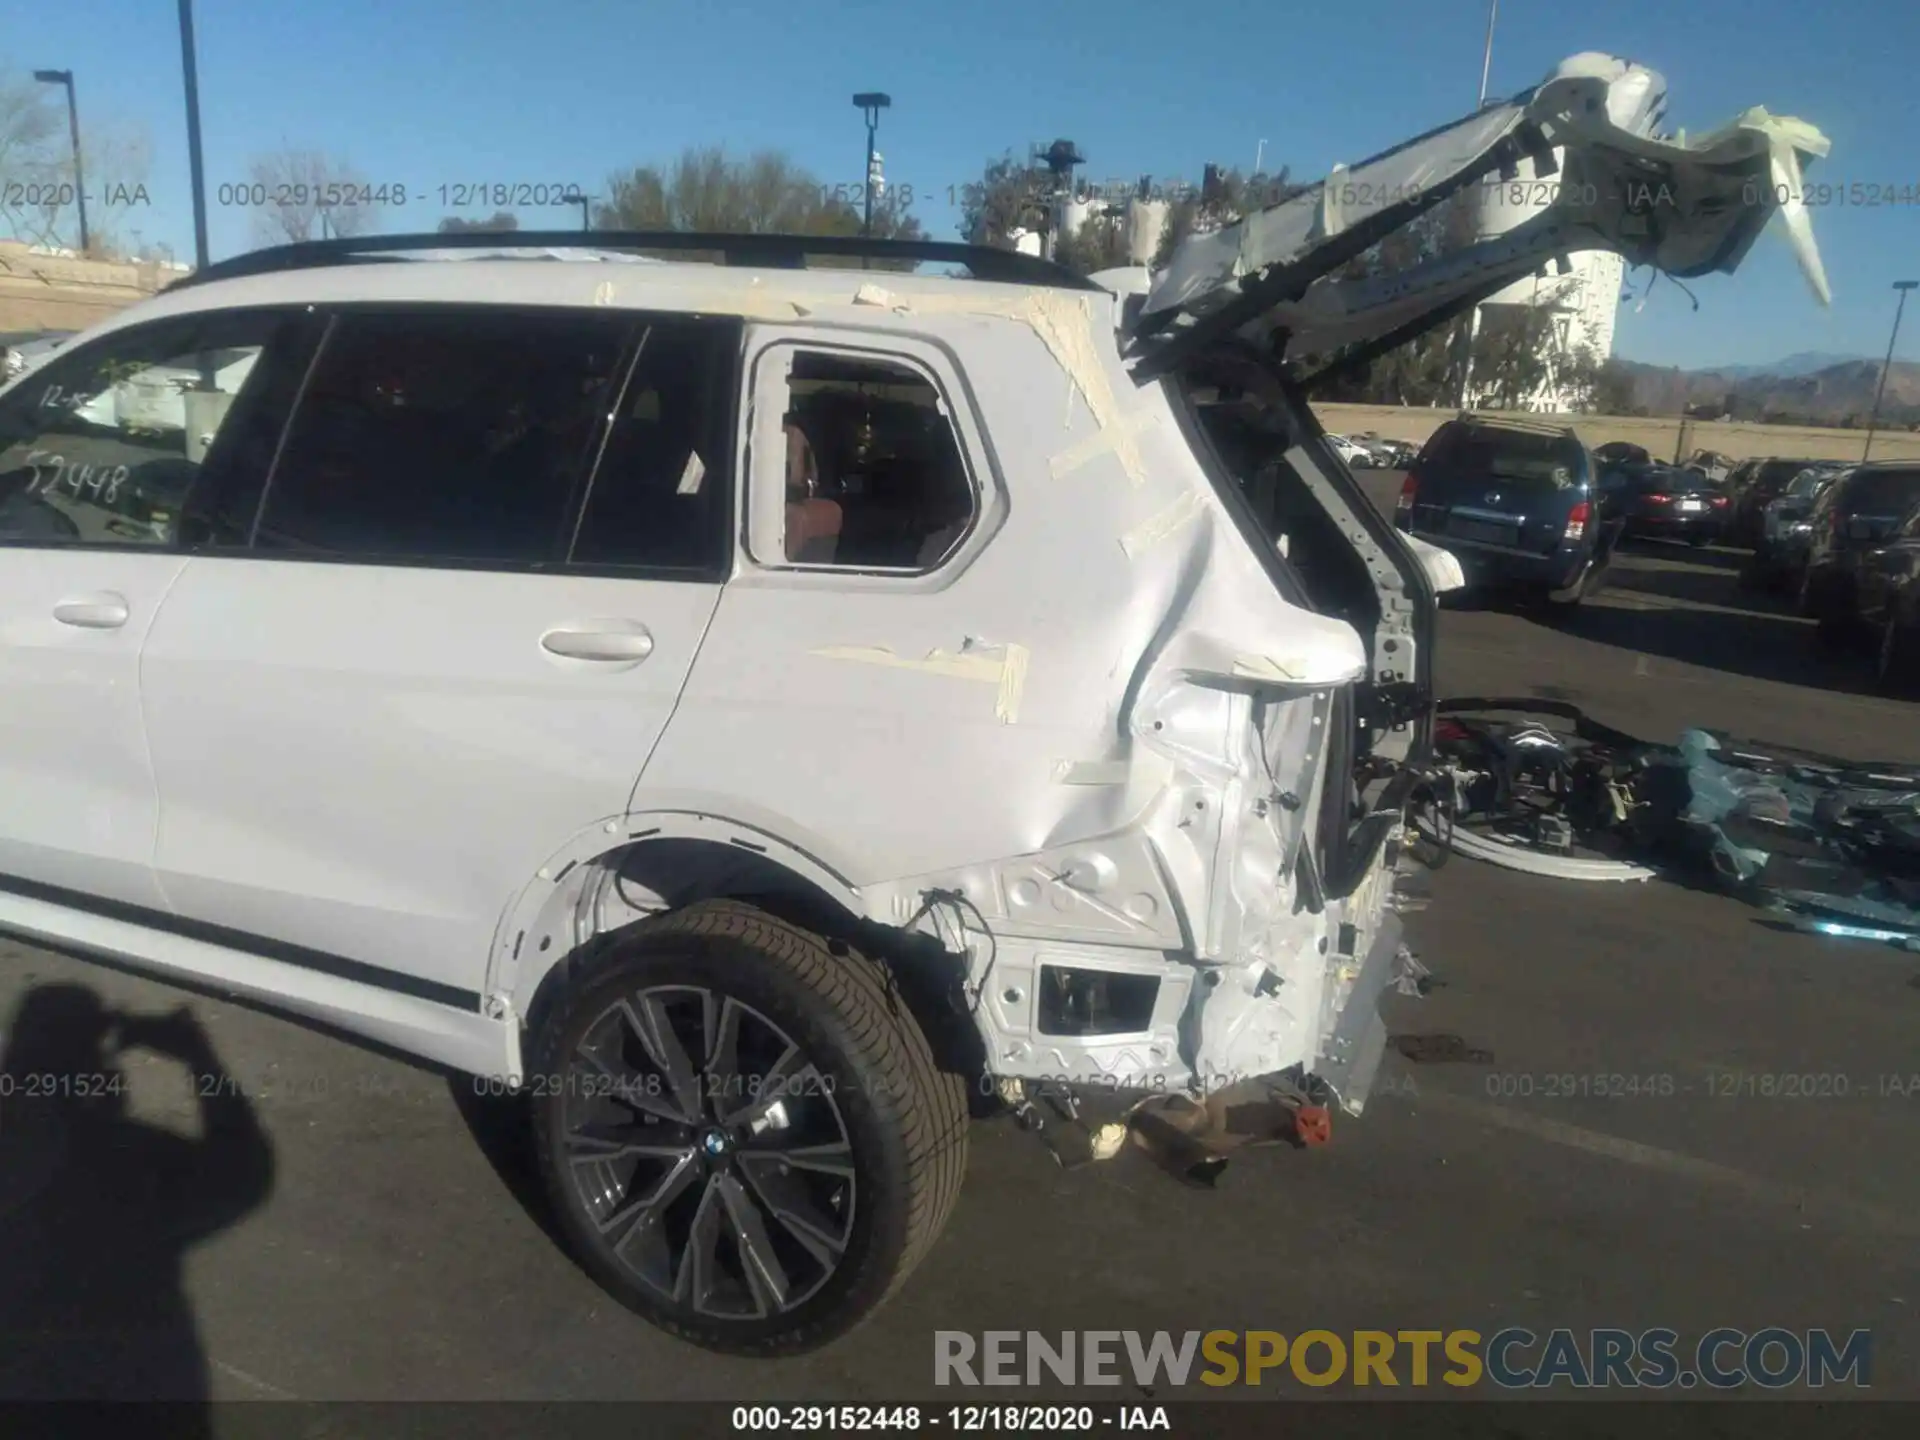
(98, 1209)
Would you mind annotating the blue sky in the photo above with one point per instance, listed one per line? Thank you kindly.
(430, 92)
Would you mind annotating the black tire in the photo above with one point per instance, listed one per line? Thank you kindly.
(1699, 542)
(1897, 666)
(1563, 609)
(862, 1063)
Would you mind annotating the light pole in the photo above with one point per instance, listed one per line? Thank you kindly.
(574, 197)
(871, 103)
(65, 77)
(195, 173)
(1903, 286)
(1486, 60)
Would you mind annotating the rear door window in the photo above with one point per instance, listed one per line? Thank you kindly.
(445, 436)
(663, 482)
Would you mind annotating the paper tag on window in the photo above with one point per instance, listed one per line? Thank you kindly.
(691, 477)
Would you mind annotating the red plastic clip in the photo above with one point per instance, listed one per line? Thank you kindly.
(1313, 1125)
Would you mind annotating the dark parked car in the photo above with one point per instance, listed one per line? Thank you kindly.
(1620, 452)
(1710, 463)
(1758, 485)
(1666, 502)
(1781, 552)
(1855, 519)
(1887, 603)
(1515, 501)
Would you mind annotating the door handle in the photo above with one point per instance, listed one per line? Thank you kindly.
(102, 610)
(627, 644)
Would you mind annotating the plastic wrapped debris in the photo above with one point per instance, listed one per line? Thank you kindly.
(1833, 844)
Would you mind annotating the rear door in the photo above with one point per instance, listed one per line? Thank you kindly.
(429, 664)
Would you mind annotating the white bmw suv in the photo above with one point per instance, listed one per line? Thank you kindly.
(749, 707)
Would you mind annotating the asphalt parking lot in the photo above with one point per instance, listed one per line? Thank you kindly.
(390, 1251)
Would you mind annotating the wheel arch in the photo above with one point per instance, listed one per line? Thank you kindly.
(622, 871)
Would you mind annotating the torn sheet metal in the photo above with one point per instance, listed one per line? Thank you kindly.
(1831, 842)
(1816, 836)
(1683, 208)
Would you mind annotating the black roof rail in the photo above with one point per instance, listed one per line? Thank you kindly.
(774, 252)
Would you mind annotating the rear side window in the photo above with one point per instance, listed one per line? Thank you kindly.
(875, 477)
(1883, 492)
(1547, 462)
(445, 435)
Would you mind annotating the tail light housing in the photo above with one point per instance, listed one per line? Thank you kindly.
(1409, 487)
(1658, 498)
(1719, 502)
(1577, 519)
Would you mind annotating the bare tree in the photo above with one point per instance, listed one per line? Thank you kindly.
(1099, 244)
(1512, 354)
(502, 220)
(707, 190)
(39, 194)
(31, 133)
(1426, 369)
(1008, 196)
(1222, 197)
(299, 194)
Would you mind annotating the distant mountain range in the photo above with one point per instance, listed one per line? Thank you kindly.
(1811, 388)
(1806, 362)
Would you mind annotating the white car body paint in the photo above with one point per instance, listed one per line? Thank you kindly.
(1100, 721)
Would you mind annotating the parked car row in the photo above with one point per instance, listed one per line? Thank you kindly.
(1755, 484)
(1371, 451)
(1780, 554)
(1861, 578)
(1665, 502)
(20, 352)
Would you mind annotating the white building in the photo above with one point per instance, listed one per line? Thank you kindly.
(1143, 223)
(1582, 303)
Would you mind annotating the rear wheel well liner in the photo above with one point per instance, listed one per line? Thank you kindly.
(926, 977)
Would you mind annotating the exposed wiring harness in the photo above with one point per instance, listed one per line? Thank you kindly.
(961, 905)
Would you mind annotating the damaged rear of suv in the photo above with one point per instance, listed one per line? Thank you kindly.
(921, 686)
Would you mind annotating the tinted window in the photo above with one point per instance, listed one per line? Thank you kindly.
(1773, 474)
(660, 490)
(1689, 482)
(875, 476)
(444, 435)
(101, 446)
(1883, 492)
(1525, 457)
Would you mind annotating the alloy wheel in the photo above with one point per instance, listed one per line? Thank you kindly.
(709, 1153)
